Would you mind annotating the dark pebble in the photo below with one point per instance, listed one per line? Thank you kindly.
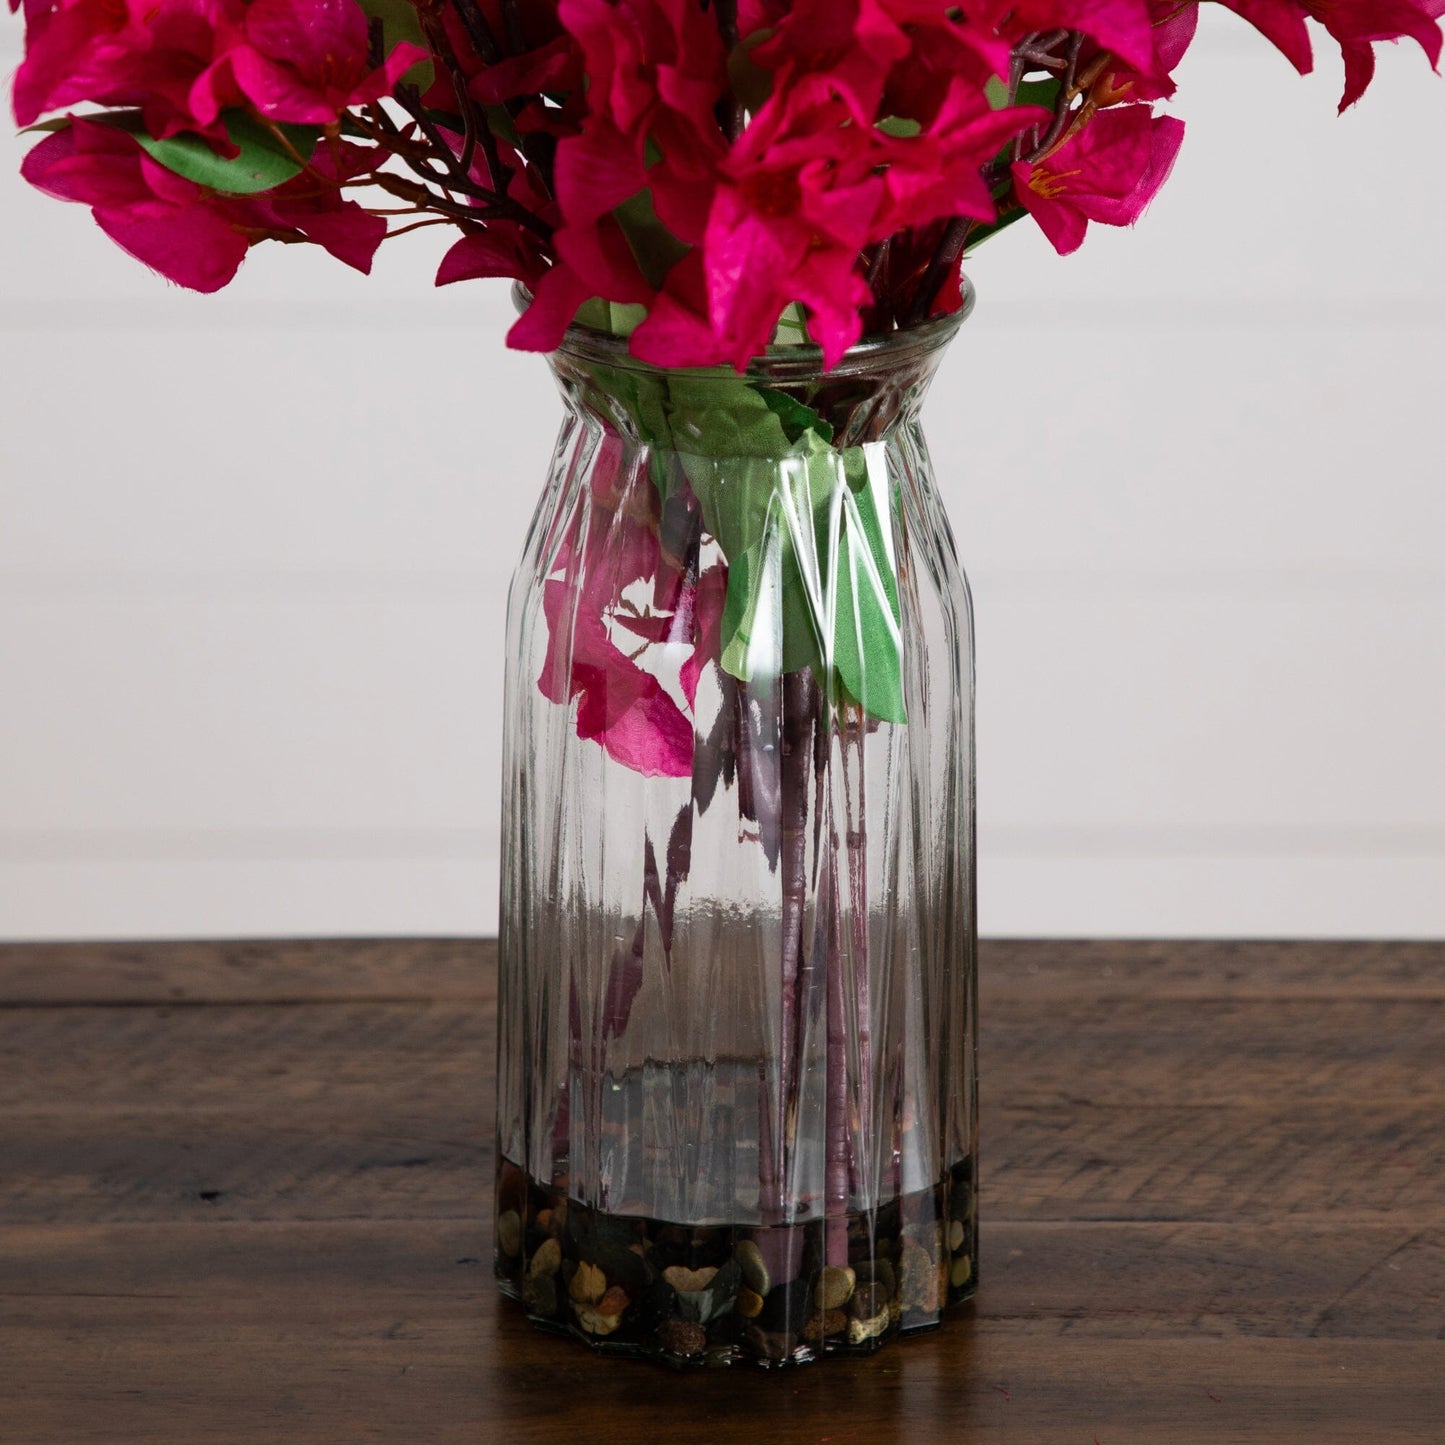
(787, 1306)
(539, 1294)
(881, 1273)
(868, 1301)
(681, 1337)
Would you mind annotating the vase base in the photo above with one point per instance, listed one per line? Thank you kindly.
(715, 1295)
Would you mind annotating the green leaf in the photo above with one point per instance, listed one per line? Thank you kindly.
(264, 162)
(792, 327)
(795, 417)
(717, 415)
(399, 21)
(1040, 92)
(901, 127)
(617, 318)
(657, 250)
(867, 644)
(812, 581)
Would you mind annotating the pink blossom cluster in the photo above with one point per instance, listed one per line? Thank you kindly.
(183, 64)
(707, 164)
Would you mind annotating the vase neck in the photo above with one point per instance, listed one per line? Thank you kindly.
(877, 387)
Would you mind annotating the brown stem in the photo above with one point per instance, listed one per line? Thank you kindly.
(730, 108)
(410, 191)
(800, 716)
(475, 126)
(512, 24)
(1063, 105)
(856, 822)
(457, 178)
(743, 752)
(835, 1168)
(416, 226)
(479, 32)
(948, 255)
(1035, 50)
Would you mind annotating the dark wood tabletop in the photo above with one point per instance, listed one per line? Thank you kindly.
(244, 1195)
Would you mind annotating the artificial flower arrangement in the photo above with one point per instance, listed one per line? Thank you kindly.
(706, 167)
(736, 1108)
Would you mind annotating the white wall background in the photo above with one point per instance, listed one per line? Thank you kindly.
(254, 551)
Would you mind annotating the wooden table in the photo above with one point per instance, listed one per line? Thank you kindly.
(244, 1196)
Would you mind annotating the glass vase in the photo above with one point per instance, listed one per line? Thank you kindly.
(737, 1114)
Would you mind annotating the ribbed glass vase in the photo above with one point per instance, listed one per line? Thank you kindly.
(736, 1112)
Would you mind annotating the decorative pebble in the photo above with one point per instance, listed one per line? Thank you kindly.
(509, 1232)
(955, 1235)
(539, 1294)
(614, 1301)
(879, 1272)
(961, 1272)
(820, 1326)
(588, 1285)
(835, 1287)
(688, 1281)
(862, 1330)
(754, 1267)
(750, 1303)
(867, 1301)
(918, 1278)
(595, 1322)
(547, 1260)
(681, 1337)
(603, 1317)
(619, 1263)
(786, 1307)
(928, 1236)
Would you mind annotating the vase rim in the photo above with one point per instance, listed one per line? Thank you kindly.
(778, 363)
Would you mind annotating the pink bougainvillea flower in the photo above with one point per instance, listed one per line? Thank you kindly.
(620, 705)
(855, 43)
(313, 205)
(504, 249)
(191, 235)
(937, 172)
(677, 330)
(1124, 27)
(552, 67)
(555, 299)
(302, 61)
(799, 200)
(656, 74)
(169, 223)
(1108, 171)
(711, 590)
(1356, 24)
(802, 192)
(184, 61)
(131, 52)
(1174, 30)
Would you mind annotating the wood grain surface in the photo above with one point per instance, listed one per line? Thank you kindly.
(244, 1194)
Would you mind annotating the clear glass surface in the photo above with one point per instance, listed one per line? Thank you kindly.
(736, 1066)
